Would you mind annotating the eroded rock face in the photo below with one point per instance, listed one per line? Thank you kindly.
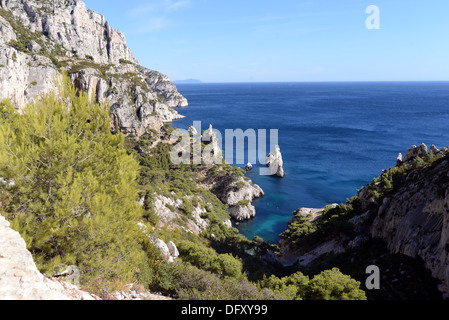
(20, 278)
(69, 37)
(415, 221)
(69, 24)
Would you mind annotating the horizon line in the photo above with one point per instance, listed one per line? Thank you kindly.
(305, 81)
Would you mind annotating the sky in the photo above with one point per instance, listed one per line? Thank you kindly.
(285, 40)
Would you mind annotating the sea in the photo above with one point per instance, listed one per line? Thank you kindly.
(335, 137)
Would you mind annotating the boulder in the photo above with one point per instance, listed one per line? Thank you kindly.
(173, 249)
(415, 151)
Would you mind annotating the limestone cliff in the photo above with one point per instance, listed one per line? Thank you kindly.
(39, 39)
(414, 219)
(407, 208)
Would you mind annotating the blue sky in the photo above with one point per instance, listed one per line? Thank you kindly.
(285, 40)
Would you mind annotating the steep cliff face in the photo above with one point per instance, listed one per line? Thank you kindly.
(414, 220)
(69, 24)
(407, 208)
(39, 39)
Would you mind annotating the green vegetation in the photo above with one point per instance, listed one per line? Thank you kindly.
(34, 83)
(328, 285)
(25, 36)
(124, 61)
(75, 201)
(223, 265)
(394, 178)
(305, 233)
(74, 198)
(77, 65)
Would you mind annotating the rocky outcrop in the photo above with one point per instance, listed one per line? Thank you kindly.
(169, 252)
(242, 212)
(240, 191)
(412, 219)
(161, 85)
(239, 196)
(20, 278)
(399, 160)
(170, 213)
(415, 220)
(411, 216)
(275, 163)
(38, 40)
(290, 254)
(415, 151)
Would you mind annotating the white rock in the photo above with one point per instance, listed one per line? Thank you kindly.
(173, 249)
(275, 163)
(20, 278)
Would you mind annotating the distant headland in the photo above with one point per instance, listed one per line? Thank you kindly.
(187, 81)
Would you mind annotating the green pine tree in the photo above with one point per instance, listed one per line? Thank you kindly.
(73, 195)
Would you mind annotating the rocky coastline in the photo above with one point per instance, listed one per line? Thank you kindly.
(411, 216)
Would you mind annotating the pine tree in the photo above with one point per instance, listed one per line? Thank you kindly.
(73, 195)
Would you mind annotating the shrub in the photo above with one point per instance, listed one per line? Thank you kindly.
(187, 282)
(224, 265)
(333, 285)
(124, 61)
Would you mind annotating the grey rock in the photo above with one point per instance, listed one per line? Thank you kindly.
(247, 192)
(95, 55)
(434, 149)
(415, 151)
(173, 249)
(34, 47)
(242, 213)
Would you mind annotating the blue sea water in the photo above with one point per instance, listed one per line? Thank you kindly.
(334, 137)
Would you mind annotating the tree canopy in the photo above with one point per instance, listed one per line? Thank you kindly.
(69, 186)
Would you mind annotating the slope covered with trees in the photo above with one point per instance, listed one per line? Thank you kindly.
(71, 187)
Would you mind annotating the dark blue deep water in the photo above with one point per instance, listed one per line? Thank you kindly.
(334, 137)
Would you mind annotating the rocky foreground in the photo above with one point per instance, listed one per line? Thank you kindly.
(19, 277)
(21, 280)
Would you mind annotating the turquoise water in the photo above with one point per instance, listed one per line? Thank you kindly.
(334, 137)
